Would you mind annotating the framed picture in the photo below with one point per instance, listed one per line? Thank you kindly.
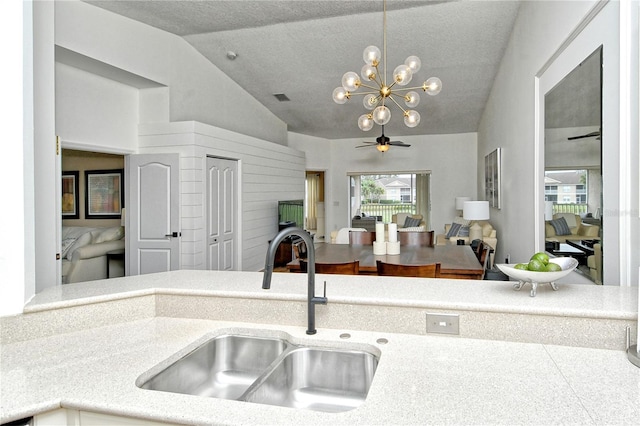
(70, 195)
(492, 172)
(104, 194)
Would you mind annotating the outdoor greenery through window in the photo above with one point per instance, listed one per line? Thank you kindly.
(567, 189)
(389, 194)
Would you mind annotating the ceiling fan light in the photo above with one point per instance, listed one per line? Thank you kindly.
(414, 63)
(381, 115)
(382, 148)
(432, 86)
(411, 118)
(365, 122)
(402, 75)
(340, 95)
(371, 55)
(370, 101)
(412, 99)
(351, 81)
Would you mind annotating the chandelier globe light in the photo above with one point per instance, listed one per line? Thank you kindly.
(383, 92)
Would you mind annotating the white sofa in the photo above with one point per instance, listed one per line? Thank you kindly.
(577, 228)
(84, 252)
(400, 220)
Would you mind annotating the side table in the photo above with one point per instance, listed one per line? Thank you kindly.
(114, 255)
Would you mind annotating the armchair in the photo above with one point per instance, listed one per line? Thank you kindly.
(489, 236)
(594, 262)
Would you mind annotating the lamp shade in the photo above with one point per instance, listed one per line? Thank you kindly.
(476, 210)
(460, 202)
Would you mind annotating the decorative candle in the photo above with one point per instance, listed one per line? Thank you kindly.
(393, 232)
(379, 248)
(380, 232)
(393, 247)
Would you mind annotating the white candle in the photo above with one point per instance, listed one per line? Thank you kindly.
(393, 232)
(380, 232)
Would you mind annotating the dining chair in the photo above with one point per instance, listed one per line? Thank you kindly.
(344, 268)
(479, 251)
(424, 271)
(424, 238)
(484, 259)
(299, 250)
(362, 238)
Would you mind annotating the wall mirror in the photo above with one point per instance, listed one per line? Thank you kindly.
(573, 186)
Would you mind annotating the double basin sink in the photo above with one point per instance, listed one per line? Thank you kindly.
(272, 371)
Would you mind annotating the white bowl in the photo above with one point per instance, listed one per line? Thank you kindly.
(568, 264)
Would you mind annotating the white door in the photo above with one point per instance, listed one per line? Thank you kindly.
(222, 196)
(153, 213)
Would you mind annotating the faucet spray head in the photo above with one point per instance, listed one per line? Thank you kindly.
(266, 278)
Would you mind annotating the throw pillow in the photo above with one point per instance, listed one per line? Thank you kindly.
(569, 217)
(81, 241)
(410, 222)
(560, 226)
(464, 231)
(108, 234)
(412, 229)
(462, 221)
(66, 245)
(453, 231)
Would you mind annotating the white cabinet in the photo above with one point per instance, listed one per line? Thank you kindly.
(64, 417)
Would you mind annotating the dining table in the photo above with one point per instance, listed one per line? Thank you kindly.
(456, 261)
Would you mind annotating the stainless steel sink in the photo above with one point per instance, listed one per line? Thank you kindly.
(224, 367)
(317, 379)
(270, 371)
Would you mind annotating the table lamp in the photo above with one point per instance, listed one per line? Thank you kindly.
(460, 203)
(476, 210)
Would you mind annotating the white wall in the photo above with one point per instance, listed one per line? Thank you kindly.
(93, 110)
(198, 90)
(268, 172)
(508, 118)
(14, 163)
(452, 160)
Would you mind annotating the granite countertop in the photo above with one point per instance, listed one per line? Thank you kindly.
(421, 379)
(489, 296)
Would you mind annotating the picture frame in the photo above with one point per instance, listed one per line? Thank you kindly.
(492, 177)
(104, 197)
(70, 195)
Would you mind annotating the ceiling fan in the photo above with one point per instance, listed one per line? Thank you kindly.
(588, 135)
(383, 143)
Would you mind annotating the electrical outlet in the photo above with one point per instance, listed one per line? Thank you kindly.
(443, 323)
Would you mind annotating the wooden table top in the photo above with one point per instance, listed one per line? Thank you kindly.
(455, 261)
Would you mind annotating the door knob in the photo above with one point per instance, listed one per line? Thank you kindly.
(174, 234)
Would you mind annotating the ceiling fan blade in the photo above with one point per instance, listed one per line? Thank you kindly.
(399, 143)
(365, 146)
(588, 135)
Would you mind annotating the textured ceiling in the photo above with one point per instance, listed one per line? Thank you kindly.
(303, 47)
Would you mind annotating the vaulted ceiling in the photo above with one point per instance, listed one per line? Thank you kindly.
(301, 48)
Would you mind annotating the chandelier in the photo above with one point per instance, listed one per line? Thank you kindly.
(383, 93)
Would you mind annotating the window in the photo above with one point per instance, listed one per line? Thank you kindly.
(568, 189)
(389, 194)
